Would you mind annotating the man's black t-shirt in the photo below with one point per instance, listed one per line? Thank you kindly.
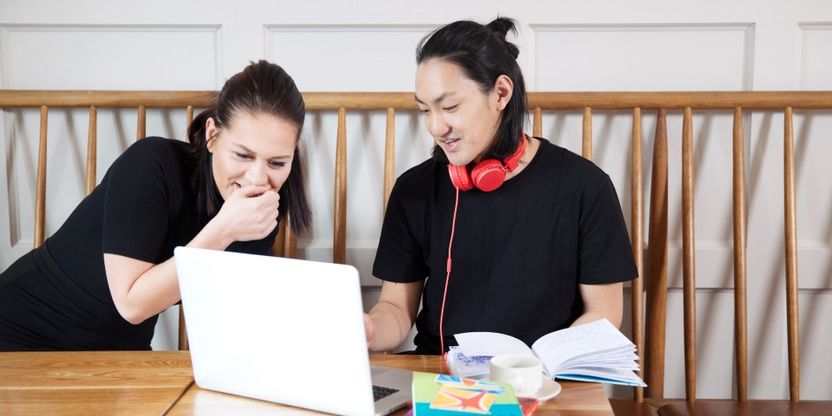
(519, 253)
(57, 296)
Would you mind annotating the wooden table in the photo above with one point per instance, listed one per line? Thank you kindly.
(144, 382)
(92, 383)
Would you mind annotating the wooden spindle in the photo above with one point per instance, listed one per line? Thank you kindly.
(183, 331)
(279, 245)
(793, 329)
(586, 145)
(339, 249)
(656, 274)
(290, 243)
(537, 130)
(92, 149)
(189, 118)
(740, 252)
(688, 256)
(389, 156)
(141, 123)
(40, 196)
(636, 213)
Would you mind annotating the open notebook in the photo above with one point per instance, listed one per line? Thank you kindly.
(595, 351)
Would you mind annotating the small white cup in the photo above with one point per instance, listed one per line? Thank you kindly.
(523, 373)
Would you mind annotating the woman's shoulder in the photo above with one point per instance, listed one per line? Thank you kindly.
(155, 145)
(154, 151)
(154, 157)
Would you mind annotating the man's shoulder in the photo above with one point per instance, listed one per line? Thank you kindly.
(419, 176)
(573, 166)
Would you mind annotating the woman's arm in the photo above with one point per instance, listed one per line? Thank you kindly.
(602, 301)
(141, 289)
(390, 320)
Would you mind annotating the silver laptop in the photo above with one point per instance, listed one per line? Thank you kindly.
(283, 330)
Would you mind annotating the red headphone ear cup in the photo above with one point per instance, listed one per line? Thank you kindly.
(459, 177)
(488, 175)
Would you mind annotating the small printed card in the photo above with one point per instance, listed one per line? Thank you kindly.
(464, 366)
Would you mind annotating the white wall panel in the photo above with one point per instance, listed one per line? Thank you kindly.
(110, 57)
(814, 199)
(816, 377)
(642, 57)
(356, 57)
(813, 147)
(714, 345)
(816, 62)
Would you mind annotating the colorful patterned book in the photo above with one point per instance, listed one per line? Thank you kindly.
(444, 395)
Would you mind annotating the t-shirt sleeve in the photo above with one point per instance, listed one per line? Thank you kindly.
(604, 250)
(399, 257)
(137, 201)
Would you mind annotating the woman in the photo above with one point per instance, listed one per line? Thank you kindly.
(514, 234)
(102, 279)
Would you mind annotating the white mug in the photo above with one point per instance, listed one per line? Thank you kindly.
(523, 373)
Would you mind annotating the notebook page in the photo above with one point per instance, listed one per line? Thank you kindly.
(568, 344)
(491, 343)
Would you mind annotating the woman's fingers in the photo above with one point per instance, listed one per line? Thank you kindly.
(252, 190)
(251, 212)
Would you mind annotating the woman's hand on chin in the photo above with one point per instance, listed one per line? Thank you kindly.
(250, 213)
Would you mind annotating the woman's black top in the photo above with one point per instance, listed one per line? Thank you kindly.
(57, 297)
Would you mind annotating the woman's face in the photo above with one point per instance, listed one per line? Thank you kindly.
(252, 149)
(462, 119)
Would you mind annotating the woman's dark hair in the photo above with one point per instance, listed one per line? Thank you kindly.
(261, 87)
(484, 54)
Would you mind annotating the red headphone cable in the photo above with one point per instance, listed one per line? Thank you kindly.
(447, 279)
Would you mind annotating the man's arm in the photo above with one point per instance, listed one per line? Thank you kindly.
(602, 301)
(390, 320)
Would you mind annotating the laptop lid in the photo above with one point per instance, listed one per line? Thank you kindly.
(283, 330)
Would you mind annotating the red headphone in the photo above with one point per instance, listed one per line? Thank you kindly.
(488, 174)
